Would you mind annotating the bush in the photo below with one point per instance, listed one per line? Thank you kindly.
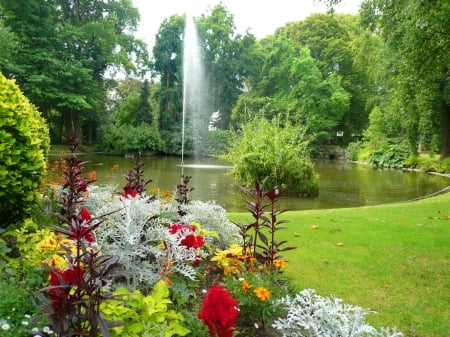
(24, 145)
(309, 314)
(389, 156)
(280, 154)
(127, 139)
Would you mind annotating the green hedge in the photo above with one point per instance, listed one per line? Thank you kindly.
(24, 145)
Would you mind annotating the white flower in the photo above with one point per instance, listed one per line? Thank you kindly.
(256, 325)
(27, 316)
(46, 329)
(25, 322)
(241, 279)
(5, 326)
(34, 330)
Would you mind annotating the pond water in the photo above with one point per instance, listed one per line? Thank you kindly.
(342, 184)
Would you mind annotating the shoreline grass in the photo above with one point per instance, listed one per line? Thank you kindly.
(393, 259)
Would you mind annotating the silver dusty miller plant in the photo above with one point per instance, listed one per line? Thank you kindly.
(137, 232)
(311, 315)
(212, 217)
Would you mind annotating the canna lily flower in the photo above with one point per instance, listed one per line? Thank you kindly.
(262, 293)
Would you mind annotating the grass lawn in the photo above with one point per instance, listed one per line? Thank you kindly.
(393, 259)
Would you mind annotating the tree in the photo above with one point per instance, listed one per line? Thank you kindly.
(144, 109)
(66, 49)
(417, 34)
(228, 59)
(292, 86)
(167, 54)
(331, 39)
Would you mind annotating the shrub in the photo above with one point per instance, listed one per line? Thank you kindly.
(280, 154)
(144, 315)
(389, 156)
(24, 145)
(309, 314)
(124, 139)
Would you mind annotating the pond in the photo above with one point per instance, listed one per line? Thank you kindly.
(342, 184)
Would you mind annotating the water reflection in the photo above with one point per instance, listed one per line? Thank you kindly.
(342, 184)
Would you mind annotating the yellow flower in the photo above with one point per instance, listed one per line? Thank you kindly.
(262, 293)
(59, 261)
(225, 258)
(280, 263)
(245, 286)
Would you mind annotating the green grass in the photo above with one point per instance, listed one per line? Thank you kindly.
(395, 260)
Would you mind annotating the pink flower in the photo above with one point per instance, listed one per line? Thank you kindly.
(219, 312)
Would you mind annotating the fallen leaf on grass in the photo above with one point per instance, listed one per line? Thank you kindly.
(340, 244)
(314, 227)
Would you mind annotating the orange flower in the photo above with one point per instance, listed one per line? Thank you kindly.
(262, 293)
(280, 263)
(245, 286)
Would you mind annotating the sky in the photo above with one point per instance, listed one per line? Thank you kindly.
(260, 17)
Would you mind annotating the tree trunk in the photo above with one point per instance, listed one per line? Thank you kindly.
(445, 149)
(68, 127)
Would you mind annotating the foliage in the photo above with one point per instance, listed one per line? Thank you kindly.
(16, 308)
(215, 143)
(143, 316)
(280, 154)
(331, 39)
(135, 178)
(24, 147)
(65, 50)
(213, 219)
(77, 269)
(389, 156)
(257, 292)
(258, 237)
(126, 139)
(415, 35)
(309, 314)
(353, 150)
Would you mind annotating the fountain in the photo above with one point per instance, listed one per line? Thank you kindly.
(195, 89)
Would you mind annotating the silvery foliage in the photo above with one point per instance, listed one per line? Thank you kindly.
(212, 217)
(135, 231)
(311, 315)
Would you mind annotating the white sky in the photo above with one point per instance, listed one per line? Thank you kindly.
(261, 17)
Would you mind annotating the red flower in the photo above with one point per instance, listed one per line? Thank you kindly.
(85, 215)
(128, 191)
(219, 312)
(84, 231)
(189, 241)
(61, 281)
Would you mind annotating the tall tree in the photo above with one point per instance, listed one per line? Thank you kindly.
(167, 54)
(66, 49)
(227, 59)
(418, 35)
(331, 39)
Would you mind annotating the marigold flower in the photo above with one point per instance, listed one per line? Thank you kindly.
(245, 286)
(219, 312)
(280, 263)
(262, 293)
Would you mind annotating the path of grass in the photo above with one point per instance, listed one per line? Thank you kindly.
(395, 259)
